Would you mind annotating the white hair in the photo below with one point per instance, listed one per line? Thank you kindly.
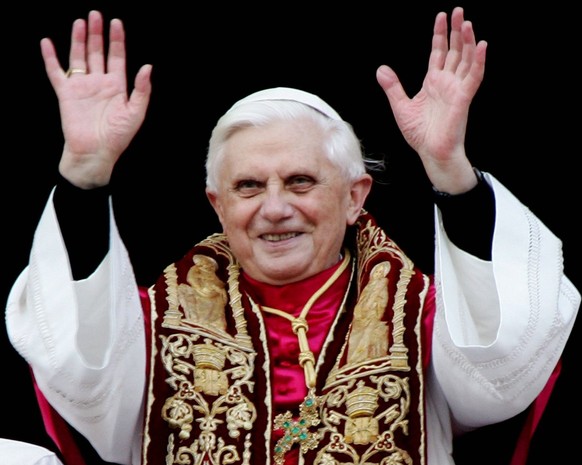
(340, 142)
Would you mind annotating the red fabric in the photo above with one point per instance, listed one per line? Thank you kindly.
(289, 380)
(428, 325)
(147, 317)
(534, 416)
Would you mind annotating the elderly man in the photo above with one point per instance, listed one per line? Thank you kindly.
(300, 333)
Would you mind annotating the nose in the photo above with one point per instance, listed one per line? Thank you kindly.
(276, 203)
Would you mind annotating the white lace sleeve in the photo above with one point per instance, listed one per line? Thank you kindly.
(83, 339)
(501, 326)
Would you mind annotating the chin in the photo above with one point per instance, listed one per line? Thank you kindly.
(285, 273)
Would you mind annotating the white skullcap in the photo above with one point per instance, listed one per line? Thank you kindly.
(288, 93)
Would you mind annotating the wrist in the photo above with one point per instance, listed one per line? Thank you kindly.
(444, 195)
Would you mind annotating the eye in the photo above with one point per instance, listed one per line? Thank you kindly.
(300, 183)
(248, 187)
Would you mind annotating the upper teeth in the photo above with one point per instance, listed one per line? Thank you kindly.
(278, 237)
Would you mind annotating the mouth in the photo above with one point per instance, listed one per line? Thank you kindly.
(279, 237)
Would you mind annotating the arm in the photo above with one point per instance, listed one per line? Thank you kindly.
(99, 120)
(504, 308)
(72, 324)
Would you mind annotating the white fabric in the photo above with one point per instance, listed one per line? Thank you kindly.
(499, 331)
(289, 93)
(23, 453)
(53, 322)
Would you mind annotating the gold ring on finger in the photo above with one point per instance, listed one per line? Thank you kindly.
(72, 71)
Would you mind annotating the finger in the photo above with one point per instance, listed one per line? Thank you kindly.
(52, 65)
(95, 53)
(116, 57)
(439, 48)
(455, 51)
(77, 59)
(477, 70)
(468, 54)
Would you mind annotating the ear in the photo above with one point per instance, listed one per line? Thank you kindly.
(214, 200)
(358, 193)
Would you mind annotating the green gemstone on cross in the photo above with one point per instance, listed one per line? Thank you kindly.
(296, 430)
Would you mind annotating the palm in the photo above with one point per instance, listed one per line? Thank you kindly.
(102, 101)
(433, 121)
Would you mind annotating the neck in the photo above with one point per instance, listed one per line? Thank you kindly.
(292, 297)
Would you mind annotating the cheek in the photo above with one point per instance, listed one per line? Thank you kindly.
(236, 216)
(336, 208)
(330, 216)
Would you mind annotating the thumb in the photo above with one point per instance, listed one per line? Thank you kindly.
(140, 95)
(391, 85)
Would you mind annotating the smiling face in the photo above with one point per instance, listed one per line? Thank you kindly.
(282, 203)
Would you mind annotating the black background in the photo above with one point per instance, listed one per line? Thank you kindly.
(523, 128)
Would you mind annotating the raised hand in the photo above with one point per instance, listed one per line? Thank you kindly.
(98, 118)
(434, 121)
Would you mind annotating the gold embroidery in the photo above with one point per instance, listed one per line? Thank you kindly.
(398, 350)
(178, 414)
(195, 385)
(204, 297)
(369, 335)
(361, 427)
(362, 420)
(219, 244)
(173, 315)
(209, 371)
(208, 375)
(355, 428)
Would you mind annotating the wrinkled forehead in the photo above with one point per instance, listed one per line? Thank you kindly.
(289, 93)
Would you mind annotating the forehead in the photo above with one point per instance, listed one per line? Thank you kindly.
(289, 144)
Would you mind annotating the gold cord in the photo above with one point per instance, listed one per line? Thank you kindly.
(297, 430)
(300, 326)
